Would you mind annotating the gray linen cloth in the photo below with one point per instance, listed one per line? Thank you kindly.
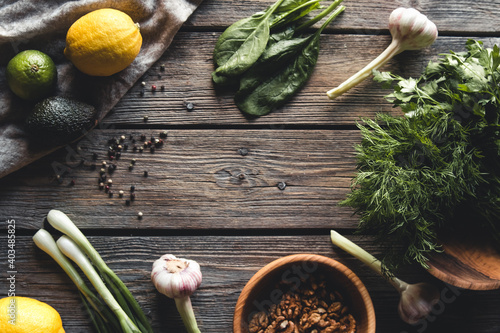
(42, 25)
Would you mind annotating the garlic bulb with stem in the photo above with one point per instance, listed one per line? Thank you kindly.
(178, 279)
(416, 300)
(410, 30)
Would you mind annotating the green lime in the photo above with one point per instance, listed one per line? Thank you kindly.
(31, 74)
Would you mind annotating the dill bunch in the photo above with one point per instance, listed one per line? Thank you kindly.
(434, 170)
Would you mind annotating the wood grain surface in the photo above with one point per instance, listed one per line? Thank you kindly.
(231, 192)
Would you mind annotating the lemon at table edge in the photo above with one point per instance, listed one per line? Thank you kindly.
(20, 314)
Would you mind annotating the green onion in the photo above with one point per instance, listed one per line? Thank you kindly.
(124, 297)
(72, 251)
(43, 239)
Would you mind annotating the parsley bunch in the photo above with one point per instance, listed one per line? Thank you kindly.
(436, 169)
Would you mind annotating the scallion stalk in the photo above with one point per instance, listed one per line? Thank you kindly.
(63, 223)
(44, 240)
(70, 249)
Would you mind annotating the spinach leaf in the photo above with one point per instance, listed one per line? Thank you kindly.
(240, 45)
(281, 71)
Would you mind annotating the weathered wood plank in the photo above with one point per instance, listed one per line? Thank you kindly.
(187, 79)
(208, 179)
(364, 16)
(227, 264)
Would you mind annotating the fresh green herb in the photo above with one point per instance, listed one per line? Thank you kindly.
(243, 42)
(436, 169)
(240, 45)
(248, 48)
(282, 70)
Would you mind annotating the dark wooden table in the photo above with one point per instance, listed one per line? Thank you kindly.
(230, 192)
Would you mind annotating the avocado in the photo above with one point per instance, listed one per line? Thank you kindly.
(60, 120)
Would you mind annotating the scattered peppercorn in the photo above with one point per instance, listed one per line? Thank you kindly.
(282, 185)
(190, 106)
(163, 134)
(145, 118)
(243, 151)
(162, 68)
(110, 193)
(72, 183)
(132, 188)
(162, 88)
(127, 202)
(132, 196)
(146, 173)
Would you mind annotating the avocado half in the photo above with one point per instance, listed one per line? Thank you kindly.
(60, 120)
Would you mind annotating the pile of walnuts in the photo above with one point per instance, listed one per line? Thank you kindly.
(310, 307)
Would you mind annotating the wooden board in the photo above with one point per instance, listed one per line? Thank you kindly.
(198, 179)
(227, 263)
(212, 190)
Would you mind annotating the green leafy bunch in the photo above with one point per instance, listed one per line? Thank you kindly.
(434, 170)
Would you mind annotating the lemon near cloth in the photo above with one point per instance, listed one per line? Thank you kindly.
(103, 42)
(31, 74)
(28, 315)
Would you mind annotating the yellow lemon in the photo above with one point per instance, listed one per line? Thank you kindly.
(28, 315)
(103, 42)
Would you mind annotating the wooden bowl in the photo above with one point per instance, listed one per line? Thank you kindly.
(260, 291)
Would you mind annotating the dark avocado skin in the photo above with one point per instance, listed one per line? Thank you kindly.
(60, 120)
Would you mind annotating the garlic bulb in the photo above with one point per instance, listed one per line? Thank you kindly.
(178, 279)
(175, 277)
(410, 30)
